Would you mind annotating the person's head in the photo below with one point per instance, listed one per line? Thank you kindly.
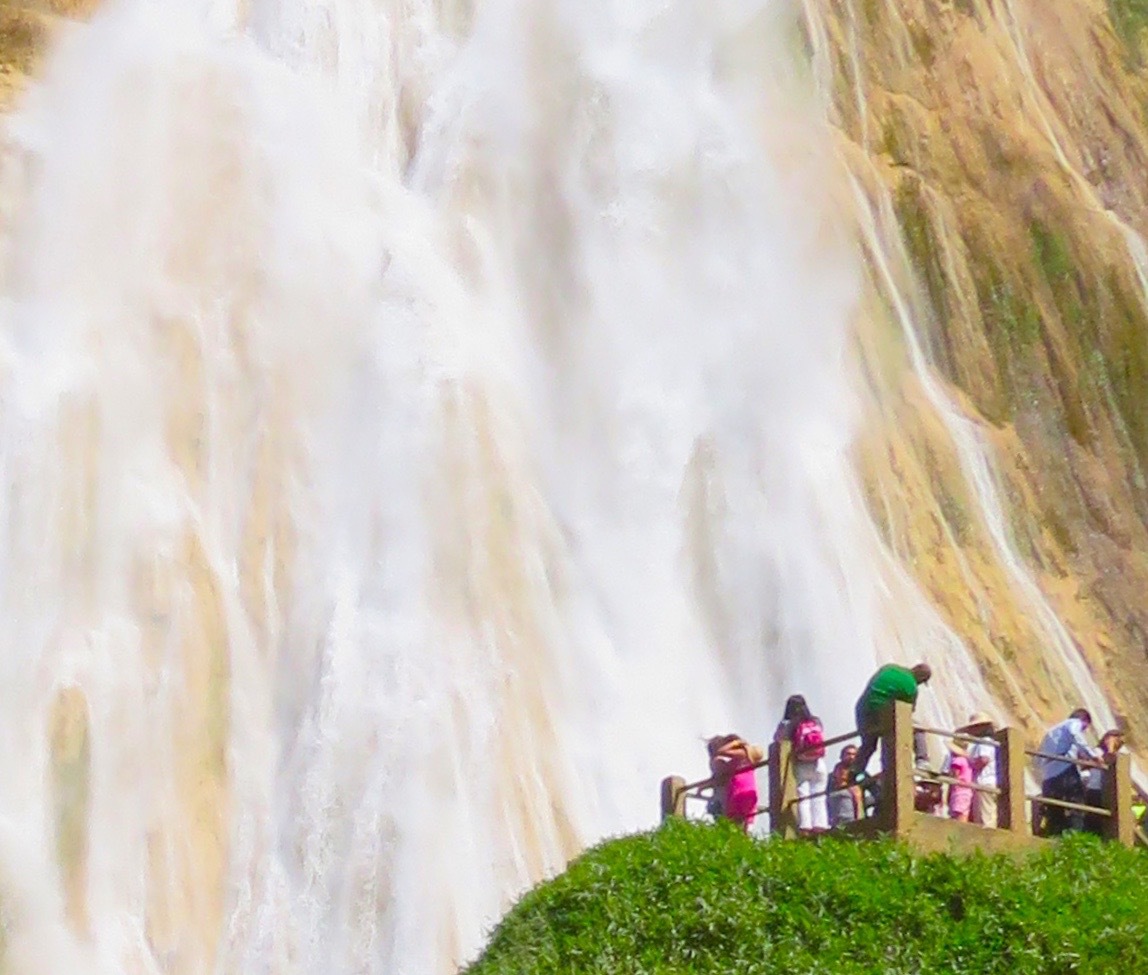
(979, 724)
(714, 744)
(921, 673)
(841, 775)
(1082, 715)
(795, 708)
(848, 754)
(1111, 742)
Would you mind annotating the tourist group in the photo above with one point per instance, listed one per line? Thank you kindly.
(962, 788)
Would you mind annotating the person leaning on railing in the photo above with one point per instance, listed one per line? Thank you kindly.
(1110, 743)
(735, 785)
(1061, 780)
(891, 683)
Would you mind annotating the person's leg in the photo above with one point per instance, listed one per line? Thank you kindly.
(1059, 787)
(820, 810)
(866, 724)
(1074, 792)
(1094, 822)
(740, 808)
(804, 788)
(985, 809)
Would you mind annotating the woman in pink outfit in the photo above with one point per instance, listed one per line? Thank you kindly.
(735, 780)
(958, 766)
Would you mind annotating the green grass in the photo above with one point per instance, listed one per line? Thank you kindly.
(699, 899)
(1129, 18)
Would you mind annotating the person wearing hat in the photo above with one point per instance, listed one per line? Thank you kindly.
(957, 766)
(732, 761)
(983, 759)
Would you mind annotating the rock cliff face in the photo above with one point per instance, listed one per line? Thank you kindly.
(1000, 148)
(25, 26)
(996, 151)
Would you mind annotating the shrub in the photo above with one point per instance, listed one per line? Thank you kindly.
(705, 899)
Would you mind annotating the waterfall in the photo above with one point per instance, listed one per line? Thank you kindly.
(422, 423)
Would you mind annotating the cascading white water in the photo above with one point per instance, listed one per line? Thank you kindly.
(421, 424)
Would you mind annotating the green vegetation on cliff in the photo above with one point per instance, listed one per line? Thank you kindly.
(701, 899)
(1129, 18)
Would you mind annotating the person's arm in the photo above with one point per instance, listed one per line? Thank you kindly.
(720, 768)
(1079, 748)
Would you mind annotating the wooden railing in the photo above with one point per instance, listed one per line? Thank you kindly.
(896, 813)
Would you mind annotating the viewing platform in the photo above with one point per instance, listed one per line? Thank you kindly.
(896, 814)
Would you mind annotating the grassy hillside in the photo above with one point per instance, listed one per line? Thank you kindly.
(702, 899)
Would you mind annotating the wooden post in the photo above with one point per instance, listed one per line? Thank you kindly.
(895, 810)
(1010, 778)
(1121, 825)
(673, 797)
(782, 790)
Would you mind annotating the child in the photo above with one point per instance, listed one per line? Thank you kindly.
(958, 766)
(845, 800)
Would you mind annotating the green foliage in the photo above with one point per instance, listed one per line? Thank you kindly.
(1126, 357)
(1129, 18)
(1012, 325)
(1052, 254)
(700, 899)
(921, 241)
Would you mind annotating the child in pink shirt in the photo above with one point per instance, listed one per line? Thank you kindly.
(958, 766)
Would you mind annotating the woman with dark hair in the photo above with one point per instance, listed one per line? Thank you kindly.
(803, 730)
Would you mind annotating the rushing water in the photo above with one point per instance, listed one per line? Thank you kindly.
(422, 423)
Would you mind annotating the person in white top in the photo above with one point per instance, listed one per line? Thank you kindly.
(801, 727)
(983, 758)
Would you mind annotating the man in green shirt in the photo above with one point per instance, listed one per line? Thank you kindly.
(891, 683)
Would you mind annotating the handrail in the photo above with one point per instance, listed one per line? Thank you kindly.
(712, 780)
(957, 736)
(838, 739)
(818, 795)
(1065, 804)
(1078, 762)
(949, 780)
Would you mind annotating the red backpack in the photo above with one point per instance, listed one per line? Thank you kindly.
(809, 740)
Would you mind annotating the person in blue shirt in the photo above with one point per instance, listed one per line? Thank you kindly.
(1061, 779)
